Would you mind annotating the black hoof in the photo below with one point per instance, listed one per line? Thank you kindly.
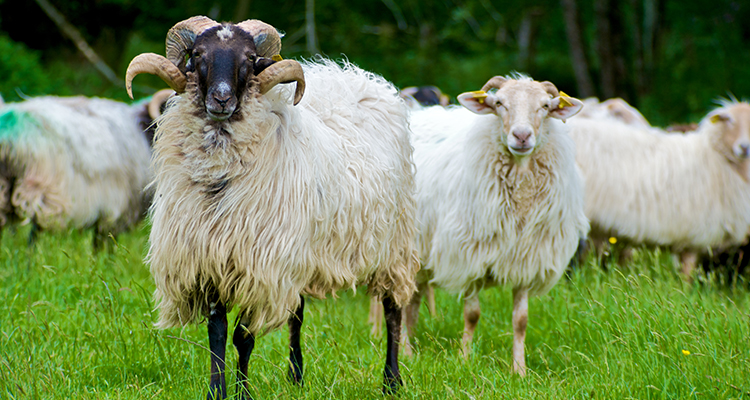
(391, 386)
(295, 376)
(216, 391)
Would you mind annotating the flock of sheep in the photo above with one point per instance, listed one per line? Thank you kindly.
(262, 192)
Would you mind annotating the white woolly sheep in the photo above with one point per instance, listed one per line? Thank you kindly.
(499, 198)
(616, 108)
(685, 192)
(258, 201)
(74, 162)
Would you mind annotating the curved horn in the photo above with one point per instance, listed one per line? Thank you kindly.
(267, 39)
(284, 71)
(158, 98)
(181, 37)
(550, 88)
(494, 82)
(151, 63)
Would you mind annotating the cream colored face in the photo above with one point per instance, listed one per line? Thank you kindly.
(735, 130)
(522, 106)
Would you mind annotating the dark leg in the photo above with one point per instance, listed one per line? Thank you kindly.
(33, 234)
(295, 351)
(99, 238)
(244, 342)
(392, 377)
(217, 341)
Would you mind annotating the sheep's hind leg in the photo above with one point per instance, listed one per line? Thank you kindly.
(295, 351)
(520, 319)
(244, 342)
(392, 377)
(217, 340)
(411, 317)
(472, 311)
(376, 317)
(34, 233)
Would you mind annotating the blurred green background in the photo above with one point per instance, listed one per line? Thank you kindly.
(669, 58)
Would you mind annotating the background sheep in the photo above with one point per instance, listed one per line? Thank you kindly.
(499, 198)
(616, 108)
(424, 96)
(258, 201)
(74, 162)
(686, 192)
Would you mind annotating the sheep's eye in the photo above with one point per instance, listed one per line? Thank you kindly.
(546, 106)
(498, 103)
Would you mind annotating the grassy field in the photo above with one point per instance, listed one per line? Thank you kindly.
(77, 325)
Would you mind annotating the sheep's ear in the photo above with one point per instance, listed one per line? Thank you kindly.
(563, 107)
(478, 101)
(262, 63)
(720, 116)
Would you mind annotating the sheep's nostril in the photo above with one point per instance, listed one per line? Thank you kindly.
(222, 102)
(522, 135)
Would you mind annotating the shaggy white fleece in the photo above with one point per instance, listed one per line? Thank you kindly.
(682, 191)
(484, 219)
(283, 199)
(73, 162)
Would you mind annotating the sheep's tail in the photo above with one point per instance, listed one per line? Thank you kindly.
(28, 185)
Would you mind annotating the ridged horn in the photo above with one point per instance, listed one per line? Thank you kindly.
(181, 38)
(266, 37)
(157, 99)
(283, 72)
(151, 63)
(551, 88)
(494, 82)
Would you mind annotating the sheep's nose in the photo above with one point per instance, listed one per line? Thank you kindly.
(745, 149)
(222, 100)
(522, 134)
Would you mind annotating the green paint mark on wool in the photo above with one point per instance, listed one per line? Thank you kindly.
(13, 124)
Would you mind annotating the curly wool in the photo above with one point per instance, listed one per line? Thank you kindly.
(73, 162)
(283, 200)
(671, 190)
(482, 218)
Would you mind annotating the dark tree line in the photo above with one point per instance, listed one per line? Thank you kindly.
(669, 58)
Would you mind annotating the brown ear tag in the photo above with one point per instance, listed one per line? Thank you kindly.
(479, 95)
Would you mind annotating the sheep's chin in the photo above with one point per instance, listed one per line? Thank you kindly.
(520, 152)
(218, 117)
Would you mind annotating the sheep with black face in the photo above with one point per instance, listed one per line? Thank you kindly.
(258, 201)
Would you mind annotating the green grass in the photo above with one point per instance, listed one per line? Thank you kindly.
(78, 325)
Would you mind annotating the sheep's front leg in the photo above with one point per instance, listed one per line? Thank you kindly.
(217, 341)
(392, 378)
(520, 319)
(295, 351)
(472, 311)
(244, 342)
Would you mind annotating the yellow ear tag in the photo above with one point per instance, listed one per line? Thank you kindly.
(276, 57)
(715, 118)
(564, 100)
(480, 95)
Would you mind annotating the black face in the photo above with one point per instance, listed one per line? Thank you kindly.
(225, 61)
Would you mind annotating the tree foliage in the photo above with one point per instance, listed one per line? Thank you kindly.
(669, 58)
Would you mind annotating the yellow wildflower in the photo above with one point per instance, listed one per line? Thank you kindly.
(613, 240)
(685, 352)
